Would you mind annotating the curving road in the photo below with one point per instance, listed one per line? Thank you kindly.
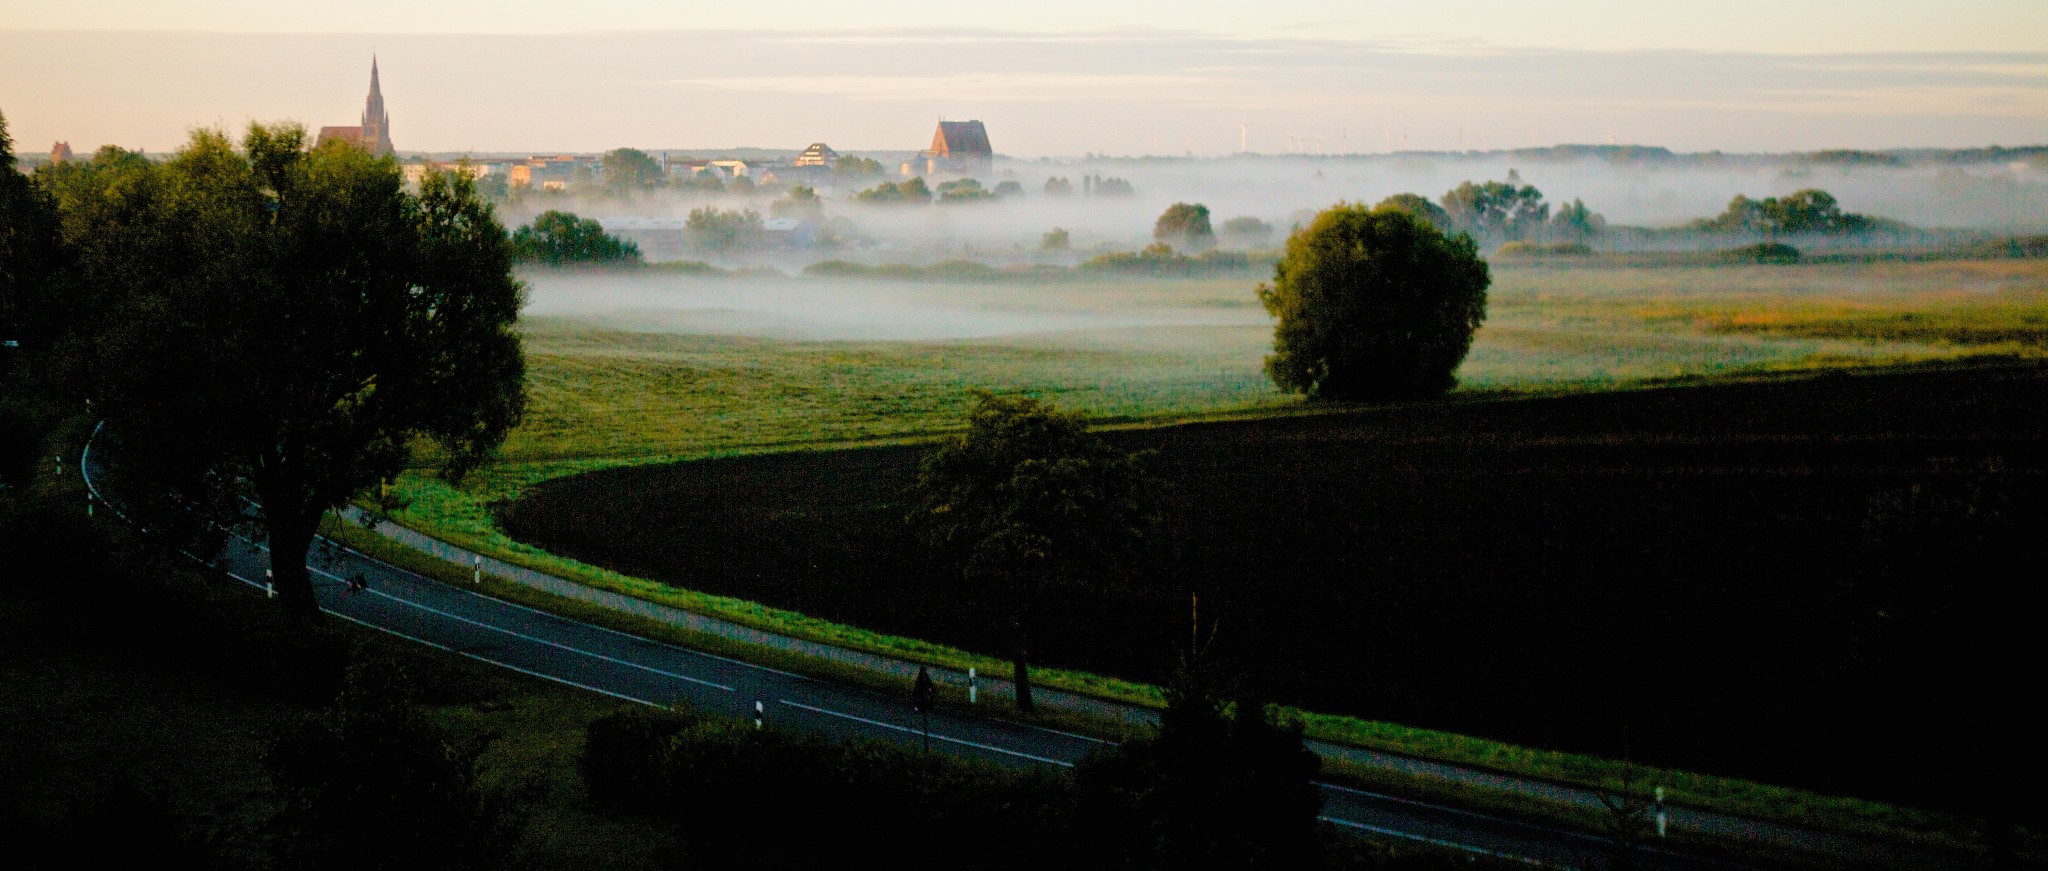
(636, 669)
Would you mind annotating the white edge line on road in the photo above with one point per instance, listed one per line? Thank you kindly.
(936, 736)
(478, 657)
(1380, 796)
(521, 635)
(546, 613)
(623, 634)
(1392, 833)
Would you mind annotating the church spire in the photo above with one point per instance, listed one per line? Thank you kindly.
(376, 123)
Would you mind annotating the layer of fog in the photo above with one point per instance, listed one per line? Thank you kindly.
(861, 310)
(1284, 191)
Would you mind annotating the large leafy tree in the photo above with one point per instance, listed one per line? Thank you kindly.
(282, 327)
(1373, 305)
(1030, 500)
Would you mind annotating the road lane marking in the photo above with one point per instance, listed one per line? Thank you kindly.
(1482, 851)
(478, 657)
(535, 639)
(935, 736)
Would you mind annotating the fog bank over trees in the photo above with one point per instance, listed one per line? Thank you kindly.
(1986, 191)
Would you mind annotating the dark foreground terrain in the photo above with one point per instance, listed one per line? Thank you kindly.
(1828, 582)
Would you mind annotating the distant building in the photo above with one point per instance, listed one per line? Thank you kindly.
(374, 133)
(819, 154)
(414, 173)
(60, 152)
(959, 147)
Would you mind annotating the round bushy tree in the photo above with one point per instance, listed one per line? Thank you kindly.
(1373, 304)
(1186, 226)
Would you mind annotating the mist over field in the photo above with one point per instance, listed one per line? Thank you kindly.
(773, 306)
(1653, 190)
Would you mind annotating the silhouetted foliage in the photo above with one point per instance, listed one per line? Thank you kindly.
(1059, 186)
(1029, 499)
(285, 325)
(372, 783)
(559, 238)
(1218, 786)
(32, 306)
(1373, 305)
(1056, 239)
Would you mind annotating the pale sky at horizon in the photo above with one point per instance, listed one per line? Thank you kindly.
(1055, 78)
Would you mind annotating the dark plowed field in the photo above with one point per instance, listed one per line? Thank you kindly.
(1828, 582)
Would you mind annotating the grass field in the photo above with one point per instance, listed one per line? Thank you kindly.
(629, 378)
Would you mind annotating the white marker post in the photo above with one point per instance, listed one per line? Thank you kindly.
(1663, 817)
(479, 578)
(970, 685)
(269, 585)
(760, 714)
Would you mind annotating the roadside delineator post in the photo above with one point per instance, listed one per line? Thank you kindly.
(479, 577)
(1663, 817)
(269, 585)
(970, 685)
(760, 714)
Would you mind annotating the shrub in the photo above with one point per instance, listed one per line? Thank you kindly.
(1764, 252)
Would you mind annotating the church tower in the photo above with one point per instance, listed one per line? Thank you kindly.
(376, 124)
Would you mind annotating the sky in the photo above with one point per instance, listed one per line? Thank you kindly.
(1054, 78)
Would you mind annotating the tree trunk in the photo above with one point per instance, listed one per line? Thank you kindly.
(1021, 674)
(1021, 665)
(291, 540)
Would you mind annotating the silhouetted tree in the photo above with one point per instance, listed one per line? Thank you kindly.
(285, 325)
(1373, 305)
(1029, 498)
(1220, 785)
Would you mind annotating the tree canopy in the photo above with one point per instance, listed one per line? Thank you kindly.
(286, 325)
(723, 230)
(1811, 211)
(1373, 305)
(1420, 207)
(1498, 209)
(630, 171)
(1029, 497)
(31, 251)
(912, 192)
(1185, 226)
(559, 238)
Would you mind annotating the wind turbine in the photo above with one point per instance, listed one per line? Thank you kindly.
(1243, 130)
